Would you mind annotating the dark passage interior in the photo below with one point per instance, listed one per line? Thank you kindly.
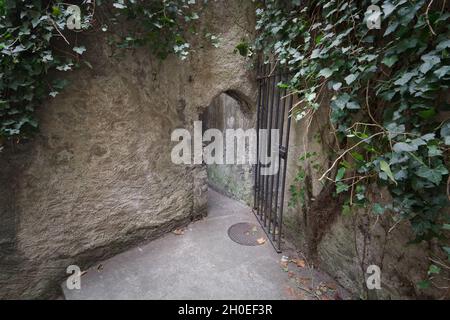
(233, 180)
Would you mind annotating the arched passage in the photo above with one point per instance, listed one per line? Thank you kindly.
(230, 110)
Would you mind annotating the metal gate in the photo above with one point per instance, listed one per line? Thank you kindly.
(273, 112)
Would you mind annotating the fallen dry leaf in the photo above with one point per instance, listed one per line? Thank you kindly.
(304, 281)
(261, 240)
(299, 262)
(178, 232)
(331, 286)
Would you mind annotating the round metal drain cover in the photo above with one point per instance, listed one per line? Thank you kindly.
(247, 234)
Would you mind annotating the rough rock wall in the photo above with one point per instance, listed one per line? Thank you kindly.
(234, 180)
(345, 245)
(98, 177)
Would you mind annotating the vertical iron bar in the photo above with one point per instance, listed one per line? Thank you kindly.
(256, 169)
(269, 146)
(280, 126)
(275, 107)
(269, 211)
(264, 126)
(288, 129)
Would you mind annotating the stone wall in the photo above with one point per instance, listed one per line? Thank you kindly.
(345, 245)
(98, 178)
(234, 180)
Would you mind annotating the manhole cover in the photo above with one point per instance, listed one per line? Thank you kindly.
(247, 234)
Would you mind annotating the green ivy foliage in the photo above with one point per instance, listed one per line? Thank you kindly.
(26, 30)
(159, 25)
(388, 91)
(35, 41)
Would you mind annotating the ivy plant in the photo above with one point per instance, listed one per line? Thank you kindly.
(387, 90)
(35, 40)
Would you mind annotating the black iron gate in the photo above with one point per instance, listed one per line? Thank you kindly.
(274, 110)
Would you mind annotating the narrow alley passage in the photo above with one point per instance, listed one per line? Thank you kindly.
(202, 262)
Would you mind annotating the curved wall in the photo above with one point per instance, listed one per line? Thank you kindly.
(98, 177)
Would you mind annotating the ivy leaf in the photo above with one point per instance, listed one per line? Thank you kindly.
(343, 102)
(341, 187)
(443, 45)
(47, 57)
(353, 105)
(433, 175)
(388, 8)
(427, 114)
(442, 71)
(434, 270)
(405, 78)
(340, 174)
(315, 54)
(64, 67)
(445, 133)
(390, 60)
(242, 48)
(346, 210)
(35, 21)
(79, 50)
(447, 250)
(404, 147)
(384, 166)
(378, 208)
(425, 284)
(119, 5)
(357, 156)
(56, 11)
(391, 28)
(434, 151)
(326, 73)
(337, 86)
(350, 78)
(430, 60)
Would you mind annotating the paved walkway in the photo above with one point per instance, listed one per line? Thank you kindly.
(203, 263)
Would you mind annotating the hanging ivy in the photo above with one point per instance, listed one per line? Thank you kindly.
(35, 40)
(389, 90)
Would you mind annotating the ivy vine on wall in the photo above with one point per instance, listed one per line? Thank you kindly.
(389, 90)
(35, 40)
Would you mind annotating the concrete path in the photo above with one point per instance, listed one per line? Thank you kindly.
(201, 263)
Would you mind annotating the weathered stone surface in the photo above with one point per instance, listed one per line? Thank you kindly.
(98, 178)
(347, 245)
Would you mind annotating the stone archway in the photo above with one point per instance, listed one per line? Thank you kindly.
(231, 110)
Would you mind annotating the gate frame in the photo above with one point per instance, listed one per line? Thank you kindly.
(269, 101)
